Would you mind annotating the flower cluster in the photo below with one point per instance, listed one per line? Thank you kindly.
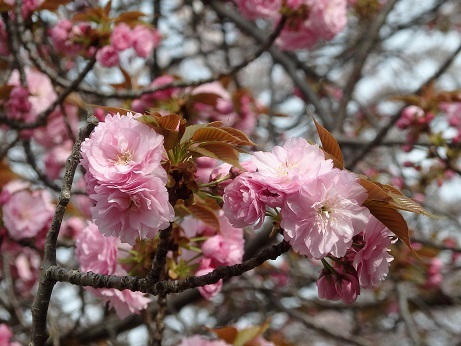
(69, 38)
(141, 38)
(308, 20)
(100, 255)
(321, 210)
(125, 179)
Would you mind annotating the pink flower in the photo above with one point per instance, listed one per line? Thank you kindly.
(253, 9)
(27, 265)
(121, 148)
(100, 254)
(241, 203)
(18, 106)
(324, 215)
(348, 288)
(248, 113)
(6, 334)
(41, 91)
(96, 252)
(326, 286)
(208, 291)
(26, 213)
(342, 285)
(329, 17)
(124, 302)
(144, 40)
(60, 127)
(72, 227)
(225, 248)
(288, 167)
(325, 19)
(63, 35)
(205, 165)
(55, 159)
(220, 110)
(197, 340)
(107, 56)
(434, 273)
(139, 208)
(121, 37)
(372, 261)
(11, 188)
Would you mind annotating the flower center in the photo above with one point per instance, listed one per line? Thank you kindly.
(124, 158)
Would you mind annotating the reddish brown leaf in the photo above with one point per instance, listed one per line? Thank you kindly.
(206, 98)
(208, 134)
(375, 192)
(170, 121)
(129, 18)
(244, 140)
(219, 151)
(52, 5)
(5, 91)
(190, 130)
(330, 145)
(204, 213)
(228, 334)
(122, 111)
(402, 202)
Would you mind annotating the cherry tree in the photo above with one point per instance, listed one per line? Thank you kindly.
(246, 172)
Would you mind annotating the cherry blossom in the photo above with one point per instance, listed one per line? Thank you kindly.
(372, 261)
(324, 215)
(26, 213)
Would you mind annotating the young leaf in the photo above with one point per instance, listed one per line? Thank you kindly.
(190, 130)
(109, 109)
(207, 134)
(400, 201)
(375, 192)
(219, 151)
(228, 334)
(203, 213)
(52, 5)
(330, 144)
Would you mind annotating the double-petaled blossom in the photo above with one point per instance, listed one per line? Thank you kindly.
(241, 203)
(41, 91)
(100, 254)
(125, 179)
(138, 208)
(225, 248)
(26, 213)
(308, 21)
(372, 260)
(107, 56)
(288, 167)
(323, 216)
(211, 290)
(121, 148)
